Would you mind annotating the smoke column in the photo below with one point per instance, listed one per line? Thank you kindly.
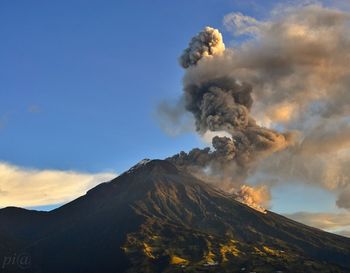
(291, 73)
(223, 104)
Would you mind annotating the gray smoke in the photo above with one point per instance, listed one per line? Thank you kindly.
(295, 68)
(298, 64)
(206, 43)
(173, 117)
(223, 104)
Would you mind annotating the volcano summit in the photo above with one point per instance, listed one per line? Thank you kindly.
(158, 218)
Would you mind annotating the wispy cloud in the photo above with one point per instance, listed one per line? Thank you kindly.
(31, 187)
(333, 222)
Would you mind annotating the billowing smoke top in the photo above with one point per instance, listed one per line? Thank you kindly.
(206, 43)
(223, 104)
(296, 64)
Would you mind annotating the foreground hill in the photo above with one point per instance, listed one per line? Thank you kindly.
(156, 218)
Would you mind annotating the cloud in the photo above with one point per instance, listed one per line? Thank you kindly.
(240, 24)
(298, 56)
(173, 118)
(31, 187)
(206, 43)
(220, 105)
(345, 233)
(297, 64)
(282, 95)
(344, 199)
(333, 222)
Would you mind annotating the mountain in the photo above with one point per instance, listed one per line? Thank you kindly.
(158, 218)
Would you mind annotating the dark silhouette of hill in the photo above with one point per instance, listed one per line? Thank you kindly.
(157, 218)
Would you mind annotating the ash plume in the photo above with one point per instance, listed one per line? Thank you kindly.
(223, 104)
(206, 43)
(291, 73)
(257, 198)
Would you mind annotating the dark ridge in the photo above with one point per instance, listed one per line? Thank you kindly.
(157, 218)
(8, 211)
(161, 166)
(158, 165)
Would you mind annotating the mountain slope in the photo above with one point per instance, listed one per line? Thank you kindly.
(156, 218)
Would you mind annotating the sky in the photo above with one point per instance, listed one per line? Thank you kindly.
(80, 82)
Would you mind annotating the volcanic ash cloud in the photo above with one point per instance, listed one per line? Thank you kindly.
(205, 44)
(291, 73)
(222, 104)
(298, 64)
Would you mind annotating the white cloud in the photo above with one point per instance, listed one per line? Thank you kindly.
(333, 222)
(240, 24)
(31, 187)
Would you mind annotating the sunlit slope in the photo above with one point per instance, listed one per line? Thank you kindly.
(155, 218)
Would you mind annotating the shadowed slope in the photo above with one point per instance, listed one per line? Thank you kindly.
(155, 218)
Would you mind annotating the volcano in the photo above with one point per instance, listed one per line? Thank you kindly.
(157, 218)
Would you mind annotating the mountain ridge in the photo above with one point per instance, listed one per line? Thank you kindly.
(157, 218)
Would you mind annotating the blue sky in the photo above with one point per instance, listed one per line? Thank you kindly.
(80, 82)
(93, 73)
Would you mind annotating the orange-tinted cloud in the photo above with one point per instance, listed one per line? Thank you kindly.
(31, 187)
